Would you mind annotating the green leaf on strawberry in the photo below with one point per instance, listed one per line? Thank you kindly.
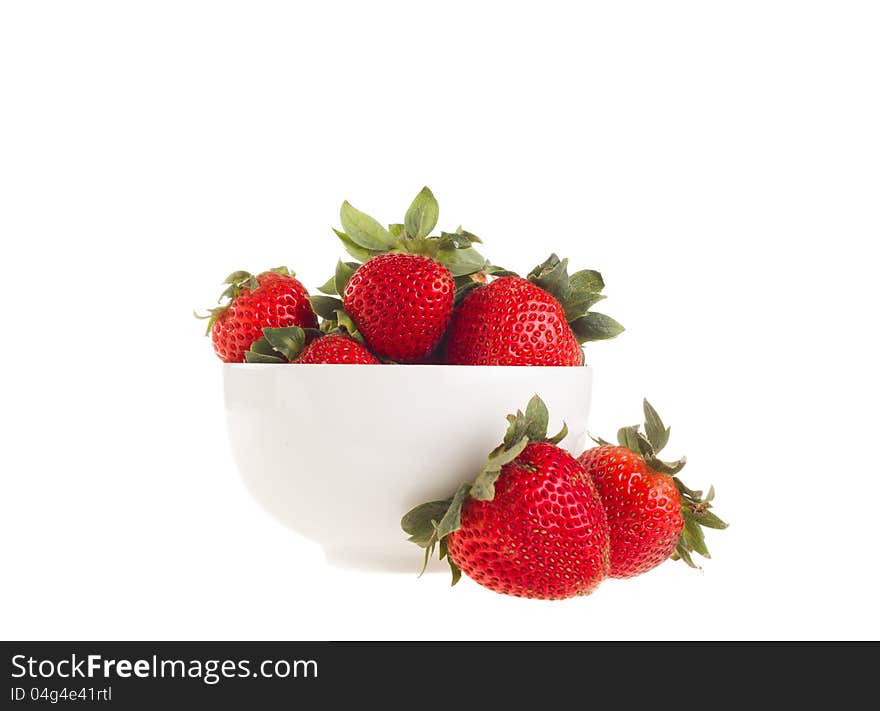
(364, 237)
(460, 239)
(628, 437)
(552, 276)
(261, 352)
(579, 304)
(354, 249)
(344, 272)
(657, 432)
(344, 322)
(417, 522)
(277, 345)
(328, 287)
(587, 280)
(595, 327)
(460, 262)
(532, 424)
(495, 271)
(451, 520)
(576, 293)
(422, 215)
(326, 306)
(363, 230)
(483, 487)
(287, 341)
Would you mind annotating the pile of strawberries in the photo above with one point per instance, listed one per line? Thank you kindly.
(411, 297)
(535, 522)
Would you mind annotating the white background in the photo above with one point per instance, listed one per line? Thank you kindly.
(717, 161)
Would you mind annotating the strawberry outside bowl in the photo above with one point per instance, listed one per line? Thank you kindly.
(338, 453)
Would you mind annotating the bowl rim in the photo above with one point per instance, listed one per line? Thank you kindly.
(419, 366)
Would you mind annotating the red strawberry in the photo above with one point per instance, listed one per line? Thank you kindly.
(530, 524)
(652, 515)
(288, 345)
(401, 304)
(401, 298)
(511, 322)
(542, 320)
(337, 348)
(272, 299)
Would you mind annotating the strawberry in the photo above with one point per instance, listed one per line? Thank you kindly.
(542, 320)
(401, 297)
(652, 515)
(337, 348)
(401, 303)
(530, 524)
(272, 299)
(288, 345)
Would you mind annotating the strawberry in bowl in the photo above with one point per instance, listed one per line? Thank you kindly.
(293, 345)
(541, 320)
(275, 299)
(400, 296)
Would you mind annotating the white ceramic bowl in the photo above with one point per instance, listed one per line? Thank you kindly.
(340, 452)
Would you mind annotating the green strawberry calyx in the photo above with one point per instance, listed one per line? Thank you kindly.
(364, 237)
(694, 505)
(236, 283)
(328, 304)
(429, 524)
(576, 293)
(286, 345)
